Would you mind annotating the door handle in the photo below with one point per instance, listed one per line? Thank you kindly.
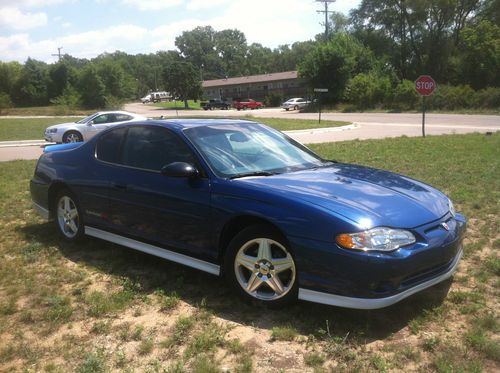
(119, 186)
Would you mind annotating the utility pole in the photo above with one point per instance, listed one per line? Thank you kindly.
(58, 53)
(326, 11)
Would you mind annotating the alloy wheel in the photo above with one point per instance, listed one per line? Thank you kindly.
(264, 269)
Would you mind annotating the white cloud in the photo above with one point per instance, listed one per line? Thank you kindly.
(66, 24)
(29, 3)
(13, 18)
(204, 4)
(89, 44)
(152, 4)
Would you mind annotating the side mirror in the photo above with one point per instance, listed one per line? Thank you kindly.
(89, 123)
(180, 169)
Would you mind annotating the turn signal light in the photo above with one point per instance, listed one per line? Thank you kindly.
(345, 240)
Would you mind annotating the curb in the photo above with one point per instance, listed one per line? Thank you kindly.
(21, 143)
(324, 130)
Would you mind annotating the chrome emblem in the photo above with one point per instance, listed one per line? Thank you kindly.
(445, 226)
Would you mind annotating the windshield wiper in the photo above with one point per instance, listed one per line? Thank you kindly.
(255, 173)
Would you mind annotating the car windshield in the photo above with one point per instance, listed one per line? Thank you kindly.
(237, 150)
(86, 119)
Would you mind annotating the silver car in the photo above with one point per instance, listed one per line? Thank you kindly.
(87, 127)
(295, 103)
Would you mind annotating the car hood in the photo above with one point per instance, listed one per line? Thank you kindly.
(62, 125)
(367, 196)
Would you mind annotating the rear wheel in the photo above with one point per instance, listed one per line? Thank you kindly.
(295, 107)
(68, 216)
(72, 136)
(260, 266)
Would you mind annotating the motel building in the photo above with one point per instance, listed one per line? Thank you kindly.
(284, 84)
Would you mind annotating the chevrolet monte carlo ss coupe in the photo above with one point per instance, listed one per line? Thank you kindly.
(239, 199)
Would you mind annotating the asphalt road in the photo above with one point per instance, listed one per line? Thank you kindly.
(365, 125)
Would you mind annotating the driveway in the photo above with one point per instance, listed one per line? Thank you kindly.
(365, 125)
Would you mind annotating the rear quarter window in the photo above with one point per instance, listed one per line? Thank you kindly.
(108, 147)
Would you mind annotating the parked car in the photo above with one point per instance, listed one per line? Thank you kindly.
(248, 104)
(240, 199)
(295, 104)
(87, 127)
(215, 104)
(146, 99)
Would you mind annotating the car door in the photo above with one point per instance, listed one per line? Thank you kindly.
(173, 212)
(99, 123)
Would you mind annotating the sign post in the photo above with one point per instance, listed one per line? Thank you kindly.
(425, 86)
(320, 90)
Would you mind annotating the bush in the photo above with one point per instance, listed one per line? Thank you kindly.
(404, 96)
(488, 98)
(367, 90)
(273, 100)
(451, 98)
(5, 101)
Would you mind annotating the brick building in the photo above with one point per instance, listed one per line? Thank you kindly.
(285, 84)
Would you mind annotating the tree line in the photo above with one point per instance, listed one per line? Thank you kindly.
(370, 58)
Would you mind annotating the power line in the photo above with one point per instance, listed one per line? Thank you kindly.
(58, 53)
(326, 11)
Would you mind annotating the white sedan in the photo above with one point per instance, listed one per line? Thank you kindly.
(87, 127)
(295, 103)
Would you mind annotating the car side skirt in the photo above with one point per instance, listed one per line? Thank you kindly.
(368, 303)
(154, 250)
(42, 211)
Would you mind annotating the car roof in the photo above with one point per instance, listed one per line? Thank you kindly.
(117, 112)
(184, 123)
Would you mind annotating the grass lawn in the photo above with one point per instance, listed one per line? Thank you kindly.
(179, 105)
(95, 306)
(46, 110)
(29, 128)
(33, 128)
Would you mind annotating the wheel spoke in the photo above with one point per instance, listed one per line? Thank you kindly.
(72, 226)
(282, 264)
(66, 204)
(73, 213)
(246, 261)
(264, 250)
(253, 283)
(276, 285)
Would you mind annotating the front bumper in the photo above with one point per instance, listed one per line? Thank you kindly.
(374, 303)
(332, 275)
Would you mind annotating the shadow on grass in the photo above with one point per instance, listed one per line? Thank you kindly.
(150, 273)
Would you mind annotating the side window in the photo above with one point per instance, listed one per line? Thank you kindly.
(151, 148)
(122, 117)
(101, 119)
(109, 145)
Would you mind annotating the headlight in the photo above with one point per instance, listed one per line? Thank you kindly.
(51, 130)
(376, 239)
(451, 207)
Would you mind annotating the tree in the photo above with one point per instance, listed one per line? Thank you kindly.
(91, 88)
(331, 65)
(181, 79)
(31, 88)
(481, 55)
(61, 76)
(231, 48)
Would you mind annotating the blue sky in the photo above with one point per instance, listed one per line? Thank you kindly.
(87, 28)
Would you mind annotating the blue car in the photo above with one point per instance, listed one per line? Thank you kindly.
(239, 199)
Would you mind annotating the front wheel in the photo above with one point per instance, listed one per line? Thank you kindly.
(260, 266)
(72, 136)
(69, 217)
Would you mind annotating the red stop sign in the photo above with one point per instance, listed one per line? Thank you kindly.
(425, 85)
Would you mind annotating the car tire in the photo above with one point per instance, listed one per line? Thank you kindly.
(72, 136)
(260, 266)
(68, 216)
(295, 107)
(287, 109)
